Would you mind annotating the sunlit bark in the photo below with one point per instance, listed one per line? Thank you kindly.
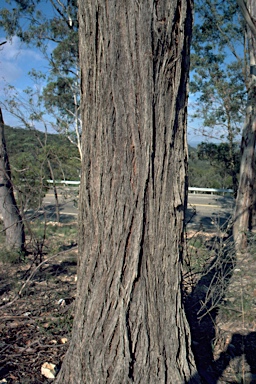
(129, 324)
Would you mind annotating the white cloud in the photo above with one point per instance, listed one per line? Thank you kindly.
(9, 72)
(15, 50)
(16, 60)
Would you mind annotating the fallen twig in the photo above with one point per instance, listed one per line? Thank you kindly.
(32, 275)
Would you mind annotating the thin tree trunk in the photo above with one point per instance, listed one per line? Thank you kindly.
(232, 156)
(129, 324)
(55, 191)
(13, 224)
(245, 194)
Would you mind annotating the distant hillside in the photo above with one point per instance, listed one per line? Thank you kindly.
(24, 145)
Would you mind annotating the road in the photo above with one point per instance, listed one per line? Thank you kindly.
(67, 206)
(204, 211)
(209, 212)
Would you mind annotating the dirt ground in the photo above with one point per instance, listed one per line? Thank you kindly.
(35, 316)
(220, 303)
(36, 307)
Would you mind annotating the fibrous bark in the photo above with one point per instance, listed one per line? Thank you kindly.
(129, 324)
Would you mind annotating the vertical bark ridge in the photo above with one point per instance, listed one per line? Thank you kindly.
(129, 326)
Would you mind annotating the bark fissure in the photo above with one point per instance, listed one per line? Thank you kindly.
(128, 313)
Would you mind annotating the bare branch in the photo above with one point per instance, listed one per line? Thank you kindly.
(248, 18)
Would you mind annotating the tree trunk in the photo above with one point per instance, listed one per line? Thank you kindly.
(12, 221)
(129, 324)
(232, 154)
(245, 194)
(55, 191)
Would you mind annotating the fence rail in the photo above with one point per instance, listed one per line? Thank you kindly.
(209, 190)
(190, 189)
(63, 182)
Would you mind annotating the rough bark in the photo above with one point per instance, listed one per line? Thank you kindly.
(129, 324)
(12, 221)
(245, 194)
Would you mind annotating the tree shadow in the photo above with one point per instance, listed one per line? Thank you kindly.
(209, 223)
(201, 307)
(48, 213)
(63, 268)
(239, 346)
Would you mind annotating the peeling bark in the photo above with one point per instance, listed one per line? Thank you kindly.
(129, 324)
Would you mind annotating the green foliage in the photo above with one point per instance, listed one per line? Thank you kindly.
(210, 166)
(55, 30)
(29, 179)
(219, 156)
(197, 254)
(27, 20)
(219, 68)
(29, 163)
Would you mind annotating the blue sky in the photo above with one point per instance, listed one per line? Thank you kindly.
(16, 60)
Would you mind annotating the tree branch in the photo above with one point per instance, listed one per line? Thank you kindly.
(248, 18)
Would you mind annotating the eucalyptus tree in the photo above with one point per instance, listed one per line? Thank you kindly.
(225, 162)
(12, 222)
(219, 73)
(27, 109)
(129, 324)
(224, 39)
(245, 210)
(52, 27)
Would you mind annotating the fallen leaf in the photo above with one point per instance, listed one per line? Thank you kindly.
(48, 370)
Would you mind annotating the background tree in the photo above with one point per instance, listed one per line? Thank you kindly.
(29, 111)
(55, 33)
(129, 323)
(225, 162)
(229, 28)
(12, 221)
(219, 63)
(245, 203)
(219, 74)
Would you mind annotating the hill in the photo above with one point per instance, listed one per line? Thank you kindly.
(27, 148)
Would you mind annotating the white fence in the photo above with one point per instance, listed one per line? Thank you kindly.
(190, 189)
(209, 190)
(64, 182)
